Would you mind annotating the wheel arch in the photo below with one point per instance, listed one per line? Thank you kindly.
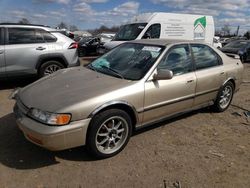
(230, 79)
(122, 105)
(50, 57)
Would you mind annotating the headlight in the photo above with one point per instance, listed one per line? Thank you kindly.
(49, 118)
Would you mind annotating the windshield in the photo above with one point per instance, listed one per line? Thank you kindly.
(127, 61)
(237, 44)
(129, 32)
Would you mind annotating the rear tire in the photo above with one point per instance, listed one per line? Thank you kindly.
(224, 97)
(49, 67)
(109, 133)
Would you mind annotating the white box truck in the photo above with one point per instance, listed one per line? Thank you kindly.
(165, 25)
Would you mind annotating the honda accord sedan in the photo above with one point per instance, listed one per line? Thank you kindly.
(137, 84)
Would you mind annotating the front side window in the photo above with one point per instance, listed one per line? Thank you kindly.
(129, 32)
(205, 57)
(129, 61)
(154, 31)
(22, 36)
(178, 60)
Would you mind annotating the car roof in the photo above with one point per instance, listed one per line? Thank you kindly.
(164, 42)
(47, 28)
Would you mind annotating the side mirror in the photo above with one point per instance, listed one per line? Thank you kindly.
(163, 74)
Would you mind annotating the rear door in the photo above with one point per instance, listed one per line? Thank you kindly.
(209, 73)
(2, 61)
(23, 48)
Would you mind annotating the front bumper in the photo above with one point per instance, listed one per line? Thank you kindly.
(51, 137)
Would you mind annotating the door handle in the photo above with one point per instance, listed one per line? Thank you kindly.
(40, 48)
(222, 73)
(1, 51)
(190, 81)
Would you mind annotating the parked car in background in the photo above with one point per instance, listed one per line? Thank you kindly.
(87, 45)
(229, 40)
(132, 86)
(163, 25)
(34, 50)
(238, 47)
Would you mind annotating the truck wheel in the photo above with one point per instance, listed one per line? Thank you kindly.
(49, 67)
(109, 133)
(224, 97)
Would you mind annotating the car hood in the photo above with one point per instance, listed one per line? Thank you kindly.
(68, 87)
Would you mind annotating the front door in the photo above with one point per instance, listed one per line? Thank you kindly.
(167, 97)
(23, 49)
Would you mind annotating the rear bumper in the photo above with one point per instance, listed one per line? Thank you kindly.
(52, 137)
(74, 64)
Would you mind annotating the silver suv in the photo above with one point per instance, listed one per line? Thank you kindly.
(34, 49)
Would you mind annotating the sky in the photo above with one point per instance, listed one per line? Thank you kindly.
(90, 14)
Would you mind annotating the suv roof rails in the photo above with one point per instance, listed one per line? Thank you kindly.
(8, 23)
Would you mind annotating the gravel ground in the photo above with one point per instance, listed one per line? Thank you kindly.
(199, 149)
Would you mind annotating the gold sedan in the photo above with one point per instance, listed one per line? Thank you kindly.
(134, 85)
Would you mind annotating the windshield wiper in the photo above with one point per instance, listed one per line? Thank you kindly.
(91, 67)
(112, 70)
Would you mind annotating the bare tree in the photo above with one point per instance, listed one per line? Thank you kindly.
(247, 35)
(24, 21)
(73, 28)
(62, 25)
(226, 30)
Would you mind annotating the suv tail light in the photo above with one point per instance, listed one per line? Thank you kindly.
(73, 45)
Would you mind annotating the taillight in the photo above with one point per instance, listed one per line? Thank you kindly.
(73, 45)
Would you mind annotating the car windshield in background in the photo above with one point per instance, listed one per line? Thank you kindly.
(237, 44)
(129, 61)
(129, 32)
(85, 39)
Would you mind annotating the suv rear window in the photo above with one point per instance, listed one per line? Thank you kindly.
(23, 36)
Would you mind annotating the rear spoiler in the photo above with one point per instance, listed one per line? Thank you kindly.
(235, 56)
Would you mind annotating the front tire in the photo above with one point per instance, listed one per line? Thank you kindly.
(224, 97)
(109, 133)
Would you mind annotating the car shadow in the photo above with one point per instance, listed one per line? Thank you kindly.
(16, 82)
(18, 153)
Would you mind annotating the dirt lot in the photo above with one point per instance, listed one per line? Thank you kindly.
(200, 149)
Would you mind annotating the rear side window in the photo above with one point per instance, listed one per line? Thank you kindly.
(205, 57)
(23, 36)
(48, 37)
